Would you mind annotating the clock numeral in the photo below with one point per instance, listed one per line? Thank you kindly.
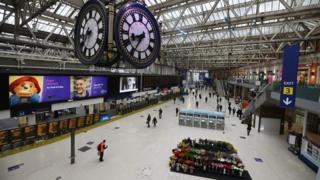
(150, 48)
(152, 40)
(99, 41)
(126, 42)
(125, 32)
(140, 18)
(132, 52)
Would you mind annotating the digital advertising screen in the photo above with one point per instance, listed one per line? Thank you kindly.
(42, 89)
(128, 84)
(88, 86)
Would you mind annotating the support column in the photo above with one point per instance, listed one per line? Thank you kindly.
(73, 154)
(282, 120)
(254, 119)
(242, 93)
(259, 123)
(304, 128)
(234, 91)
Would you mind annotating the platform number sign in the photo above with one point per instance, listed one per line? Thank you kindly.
(289, 76)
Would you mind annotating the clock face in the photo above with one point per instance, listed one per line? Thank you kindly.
(137, 35)
(91, 32)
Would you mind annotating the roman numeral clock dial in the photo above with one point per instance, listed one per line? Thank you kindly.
(137, 35)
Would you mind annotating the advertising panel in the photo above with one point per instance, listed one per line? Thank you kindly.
(43, 89)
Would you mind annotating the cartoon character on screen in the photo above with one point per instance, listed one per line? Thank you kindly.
(24, 90)
(80, 88)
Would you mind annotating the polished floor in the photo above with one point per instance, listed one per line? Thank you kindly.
(141, 153)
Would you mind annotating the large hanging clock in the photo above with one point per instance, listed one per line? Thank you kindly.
(91, 32)
(137, 35)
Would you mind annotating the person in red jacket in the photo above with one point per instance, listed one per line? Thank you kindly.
(101, 147)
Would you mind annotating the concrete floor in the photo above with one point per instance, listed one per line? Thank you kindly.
(138, 152)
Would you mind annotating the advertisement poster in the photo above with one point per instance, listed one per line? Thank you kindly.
(88, 86)
(42, 89)
(55, 88)
(25, 89)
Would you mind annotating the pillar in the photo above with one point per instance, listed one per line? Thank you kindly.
(234, 91)
(242, 92)
(304, 128)
(259, 123)
(73, 154)
(282, 120)
(254, 119)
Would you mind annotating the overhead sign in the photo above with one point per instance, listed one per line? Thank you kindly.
(289, 76)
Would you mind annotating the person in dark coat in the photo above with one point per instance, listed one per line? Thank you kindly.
(101, 147)
(240, 114)
(200, 96)
(206, 99)
(229, 108)
(177, 111)
(197, 104)
(160, 113)
(148, 120)
(220, 107)
(233, 111)
(249, 128)
(154, 120)
(220, 99)
(229, 103)
(209, 95)
(174, 100)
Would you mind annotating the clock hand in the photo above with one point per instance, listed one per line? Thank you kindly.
(140, 39)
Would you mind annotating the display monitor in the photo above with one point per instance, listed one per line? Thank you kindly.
(128, 84)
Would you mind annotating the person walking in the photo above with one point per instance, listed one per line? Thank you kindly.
(174, 100)
(160, 113)
(209, 95)
(233, 111)
(249, 128)
(197, 104)
(220, 107)
(148, 120)
(240, 114)
(154, 120)
(101, 147)
(177, 111)
(220, 99)
(229, 108)
(200, 96)
(206, 99)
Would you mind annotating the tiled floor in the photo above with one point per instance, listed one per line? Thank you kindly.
(138, 152)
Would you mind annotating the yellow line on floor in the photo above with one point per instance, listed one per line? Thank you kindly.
(64, 136)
